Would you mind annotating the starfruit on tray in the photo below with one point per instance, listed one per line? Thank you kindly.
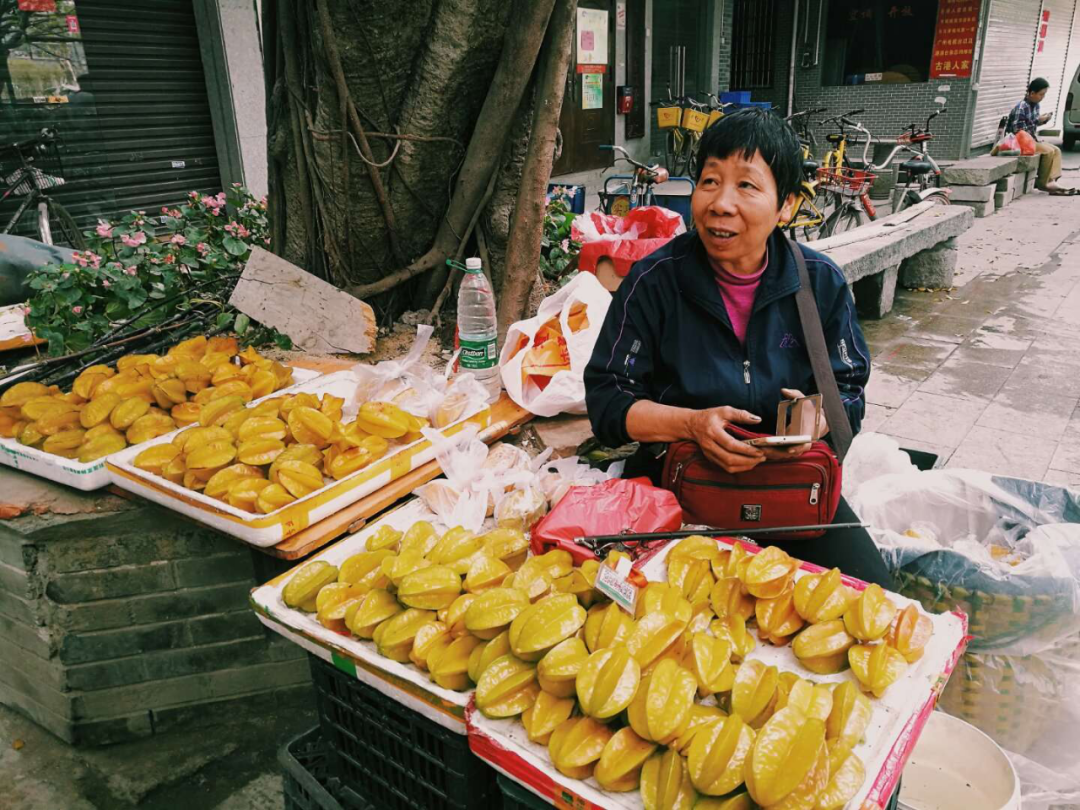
(507, 544)
(272, 498)
(494, 610)
(485, 572)
(788, 761)
(849, 717)
(420, 539)
(813, 700)
(665, 782)
(455, 545)
(486, 652)
(846, 775)
(558, 670)
(661, 597)
(660, 711)
(700, 716)
(619, 768)
(689, 568)
(909, 633)
(822, 648)
(541, 626)
(385, 537)
(373, 609)
(657, 636)
(607, 682)
(728, 598)
(709, 659)
(733, 630)
(717, 755)
(736, 801)
(869, 616)
(581, 582)
(576, 745)
(876, 666)
(454, 616)
(218, 485)
(769, 572)
(823, 597)
(507, 687)
(449, 665)
(429, 638)
(303, 587)
(394, 637)
(364, 570)
(754, 693)
(432, 588)
(383, 419)
(777, 619)
(545, 715)
(607, 625)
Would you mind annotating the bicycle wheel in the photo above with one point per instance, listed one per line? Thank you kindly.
(64, 227)
(847, 217)
(671, 149)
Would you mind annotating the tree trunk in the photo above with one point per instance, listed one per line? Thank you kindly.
(526, 230)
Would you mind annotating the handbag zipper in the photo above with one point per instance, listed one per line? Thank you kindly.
(815, 489)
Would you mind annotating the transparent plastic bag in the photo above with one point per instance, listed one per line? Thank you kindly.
(453, 498)
(872, 455)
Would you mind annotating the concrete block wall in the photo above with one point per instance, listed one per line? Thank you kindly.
(121, 621)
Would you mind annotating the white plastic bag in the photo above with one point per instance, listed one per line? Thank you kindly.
(384, 380)
(566, 391)
(871, 455)
(459, 456)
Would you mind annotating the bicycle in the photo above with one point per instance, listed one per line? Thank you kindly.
(849, 186)
(685, 119)
(806, 217)
(28, 180)
(637, 189)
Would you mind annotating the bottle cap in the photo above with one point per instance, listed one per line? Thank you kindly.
(473, 265)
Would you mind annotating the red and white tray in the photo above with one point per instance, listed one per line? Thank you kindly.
(898, 717)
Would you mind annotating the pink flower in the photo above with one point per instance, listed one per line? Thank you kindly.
(139, 238)
(131, 270)
(26, 310)
(105, 283)
(178, 239)
(65, 275)
(80, 259)
(266, 240)
(170, 259)
(77, 310)
(211, 202)
(104, 229)
(165, 210)
(203, 248)
(193, 195)
(221, 197)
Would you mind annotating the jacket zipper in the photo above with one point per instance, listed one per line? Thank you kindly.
(746, 371)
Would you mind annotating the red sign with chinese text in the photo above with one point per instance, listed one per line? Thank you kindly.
(37, 5)
(954, 39)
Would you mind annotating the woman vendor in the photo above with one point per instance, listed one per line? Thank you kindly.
(705, 331)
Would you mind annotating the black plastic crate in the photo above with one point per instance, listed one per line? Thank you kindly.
(516, 797)
(307, 781)
(391, 757)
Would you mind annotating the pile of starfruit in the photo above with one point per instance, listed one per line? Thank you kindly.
(263, 457)
(144, 396)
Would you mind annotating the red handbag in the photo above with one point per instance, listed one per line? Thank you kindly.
(800, 491)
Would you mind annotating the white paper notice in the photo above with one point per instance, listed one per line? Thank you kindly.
(592, 37)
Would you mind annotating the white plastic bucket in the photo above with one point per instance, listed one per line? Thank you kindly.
(954, 765)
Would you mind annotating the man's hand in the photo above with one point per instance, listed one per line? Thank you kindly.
(708, 429)
(1044, 118)
(780, 453)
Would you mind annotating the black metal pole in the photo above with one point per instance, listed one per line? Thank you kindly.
(606, 539)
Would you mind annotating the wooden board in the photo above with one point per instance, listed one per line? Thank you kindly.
(505, 416)
(317, 316)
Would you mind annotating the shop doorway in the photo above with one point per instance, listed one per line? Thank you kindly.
(588, 112)
(680, 54)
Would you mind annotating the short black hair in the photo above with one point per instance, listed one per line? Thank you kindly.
(756, 130)
(1038, 85)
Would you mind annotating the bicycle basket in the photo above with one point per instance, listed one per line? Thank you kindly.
(846, 181)
(694, 121)
(714, 116)
(40, 170)
(668, 117)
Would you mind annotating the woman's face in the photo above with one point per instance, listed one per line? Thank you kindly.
(735, 210)
(1036, 98)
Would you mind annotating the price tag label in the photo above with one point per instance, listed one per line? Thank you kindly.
(613, 583)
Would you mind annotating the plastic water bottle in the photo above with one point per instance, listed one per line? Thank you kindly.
(477, 329)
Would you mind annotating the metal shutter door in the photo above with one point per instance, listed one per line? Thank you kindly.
(1006, 58)
(148, 138)
(1050, 64)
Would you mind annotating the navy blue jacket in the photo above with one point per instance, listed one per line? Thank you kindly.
(667, 338)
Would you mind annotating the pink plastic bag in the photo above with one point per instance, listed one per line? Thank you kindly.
(624, 240)
(1026, 142)
(613, 507)
(1006, 145)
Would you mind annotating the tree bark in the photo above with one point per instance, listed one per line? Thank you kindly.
(526, 228)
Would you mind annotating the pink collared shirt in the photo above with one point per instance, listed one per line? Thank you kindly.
(738, 293)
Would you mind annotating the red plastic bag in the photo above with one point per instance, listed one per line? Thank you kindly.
(1026, 142)
(624, 240)
(1007, 145)
(619, 505)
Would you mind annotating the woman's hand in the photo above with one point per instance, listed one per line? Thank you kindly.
(708, 429)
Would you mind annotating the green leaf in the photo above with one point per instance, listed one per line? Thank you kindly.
(282, 341)
(235, 246)
(242, 323)
(223, 320)
(68, 295)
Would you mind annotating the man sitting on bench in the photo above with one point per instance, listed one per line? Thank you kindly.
(1025, 116)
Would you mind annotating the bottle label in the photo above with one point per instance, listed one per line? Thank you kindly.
(478, 355)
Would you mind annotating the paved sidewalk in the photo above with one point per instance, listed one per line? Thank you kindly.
(988, 375)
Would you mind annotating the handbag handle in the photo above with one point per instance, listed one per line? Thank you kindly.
(839, 426)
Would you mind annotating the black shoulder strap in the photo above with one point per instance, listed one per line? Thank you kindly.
(839, 426)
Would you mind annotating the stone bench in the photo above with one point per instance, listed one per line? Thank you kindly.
(989, 183)
(916, 247)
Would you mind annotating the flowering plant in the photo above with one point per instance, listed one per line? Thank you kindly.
(144, 270)
(558, 252)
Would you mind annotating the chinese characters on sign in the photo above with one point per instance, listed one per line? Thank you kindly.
(954, 38)
(1044, 26)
